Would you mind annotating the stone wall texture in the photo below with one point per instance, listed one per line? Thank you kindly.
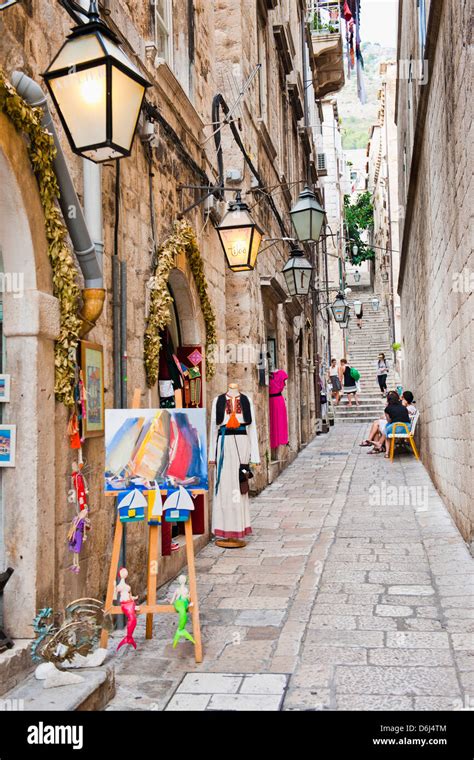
(436, 285)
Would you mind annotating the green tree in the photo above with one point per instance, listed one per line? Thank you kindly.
(359, 218)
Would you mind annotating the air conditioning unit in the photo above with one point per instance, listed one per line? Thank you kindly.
(322, 164)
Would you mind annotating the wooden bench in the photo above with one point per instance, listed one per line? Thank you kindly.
(407, 435)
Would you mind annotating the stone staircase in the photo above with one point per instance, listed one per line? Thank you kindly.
(364, 346)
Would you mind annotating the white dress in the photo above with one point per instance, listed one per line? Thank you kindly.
(230, 509)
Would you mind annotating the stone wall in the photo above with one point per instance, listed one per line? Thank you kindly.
(437, 261)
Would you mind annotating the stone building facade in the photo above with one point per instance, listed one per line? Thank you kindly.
(382, 182)
(434, 122)
(189, 53)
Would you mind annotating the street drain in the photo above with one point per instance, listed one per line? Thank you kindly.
(333, 453)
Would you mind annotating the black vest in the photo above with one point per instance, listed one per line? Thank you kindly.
(244, 403)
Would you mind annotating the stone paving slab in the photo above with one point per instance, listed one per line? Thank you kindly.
(340, 601)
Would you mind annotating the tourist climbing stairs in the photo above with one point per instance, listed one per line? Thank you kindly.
(364, 346)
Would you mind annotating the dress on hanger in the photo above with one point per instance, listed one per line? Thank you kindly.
(229, 447)
(278, 413)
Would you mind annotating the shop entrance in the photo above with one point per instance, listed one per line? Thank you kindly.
(181, 382)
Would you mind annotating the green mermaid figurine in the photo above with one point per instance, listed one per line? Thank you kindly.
(181, 602)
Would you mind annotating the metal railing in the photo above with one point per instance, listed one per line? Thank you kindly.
(324, 17)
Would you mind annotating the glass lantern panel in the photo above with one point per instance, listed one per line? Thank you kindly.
(119, 55)
(81, 98)
(290, 281)
(317, 218)
(127, 96)
(77, 51)
(302, 224)
(236, 244)
(257, 239)
(303, 280)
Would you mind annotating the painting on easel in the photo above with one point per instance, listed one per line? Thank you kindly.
(155, 448)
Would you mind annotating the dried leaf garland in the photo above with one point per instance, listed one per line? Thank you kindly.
(41, 151)
(182, 239)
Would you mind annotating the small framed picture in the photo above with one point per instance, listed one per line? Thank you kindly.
(4, 388)
(92, 365)
(7, 445)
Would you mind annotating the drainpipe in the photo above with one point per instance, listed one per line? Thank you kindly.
(89, 256)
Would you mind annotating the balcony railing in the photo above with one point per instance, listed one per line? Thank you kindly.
(324, 17)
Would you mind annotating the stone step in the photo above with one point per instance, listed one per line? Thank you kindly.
(92, 694)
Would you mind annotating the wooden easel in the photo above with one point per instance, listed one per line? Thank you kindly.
(151, 607)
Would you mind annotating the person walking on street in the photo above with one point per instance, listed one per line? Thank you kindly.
(382, 372)
(348, 382)
(336, 386)
(359, 312)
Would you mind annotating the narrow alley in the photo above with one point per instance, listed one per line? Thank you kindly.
(341, 600)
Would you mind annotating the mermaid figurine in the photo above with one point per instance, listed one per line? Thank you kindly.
(129, 608)
(181, 602)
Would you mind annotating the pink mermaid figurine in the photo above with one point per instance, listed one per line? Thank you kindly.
(129, 608)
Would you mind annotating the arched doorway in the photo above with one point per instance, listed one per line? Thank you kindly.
(182, 343)
(30, 325)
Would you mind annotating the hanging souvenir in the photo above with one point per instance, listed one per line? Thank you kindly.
(195, 357)
(77, 535)
(166, 391)
(194, 385)
(79, 486)
(73, 432)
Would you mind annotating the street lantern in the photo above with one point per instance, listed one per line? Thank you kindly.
(355, 250)
(307, 216)
(297, 272)
(357, 276)
(240, 237)
(98, 92)
(375, 304)
(340, 310)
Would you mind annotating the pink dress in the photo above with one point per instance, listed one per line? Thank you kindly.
(278, 415)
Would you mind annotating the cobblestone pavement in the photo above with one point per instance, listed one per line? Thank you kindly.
(355, 592)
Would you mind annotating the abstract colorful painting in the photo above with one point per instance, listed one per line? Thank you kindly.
(155, 448)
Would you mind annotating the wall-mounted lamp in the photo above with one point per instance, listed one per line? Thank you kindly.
(307, 216)
(340, 310)
(98, 92)
(297, 273)
(240, 236)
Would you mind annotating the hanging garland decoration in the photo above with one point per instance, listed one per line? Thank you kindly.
(41, 151)
(182, 239)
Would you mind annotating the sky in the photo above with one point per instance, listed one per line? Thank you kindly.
(379, 21)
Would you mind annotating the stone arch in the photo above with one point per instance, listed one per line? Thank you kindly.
(188, 305)
(31, 324)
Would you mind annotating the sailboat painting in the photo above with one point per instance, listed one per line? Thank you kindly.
(153, 449)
